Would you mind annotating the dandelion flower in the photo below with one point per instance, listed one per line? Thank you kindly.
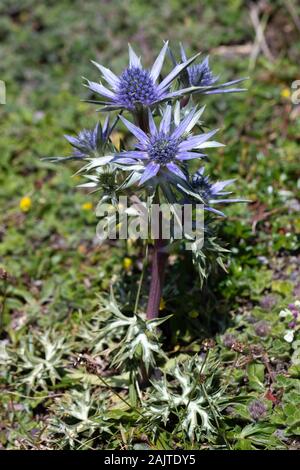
(87, 206)
(285, 93)
(127, 263)
(25, 204)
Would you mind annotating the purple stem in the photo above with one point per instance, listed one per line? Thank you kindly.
(159, 256)
(159, 261)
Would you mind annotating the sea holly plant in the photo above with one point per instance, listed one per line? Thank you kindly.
(139, 347)
(163, 116)
(190, 397)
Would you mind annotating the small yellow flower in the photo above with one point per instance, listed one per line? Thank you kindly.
(127, 264)
(162, 304)
(285, 93)
(25, 204)
(87, 206)
(116, 138)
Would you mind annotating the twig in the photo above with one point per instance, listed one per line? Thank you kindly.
(289, 4)
(260, 43)
(42, 397)
(234, 50)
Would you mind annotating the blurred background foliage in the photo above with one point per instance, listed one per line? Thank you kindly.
(47, 227)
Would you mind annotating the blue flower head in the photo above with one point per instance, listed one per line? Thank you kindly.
(211, 193)
(201, 76)
(166, 147)
(90, 142)
(137, 86)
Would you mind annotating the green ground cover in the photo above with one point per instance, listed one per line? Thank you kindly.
(54, 300)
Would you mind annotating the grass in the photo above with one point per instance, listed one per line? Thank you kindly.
(58, 388)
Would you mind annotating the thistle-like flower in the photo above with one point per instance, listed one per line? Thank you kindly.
(257, 409)
(211, 193)
(200, 76)
(168, 147)
(137, 86)
(89, 143)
